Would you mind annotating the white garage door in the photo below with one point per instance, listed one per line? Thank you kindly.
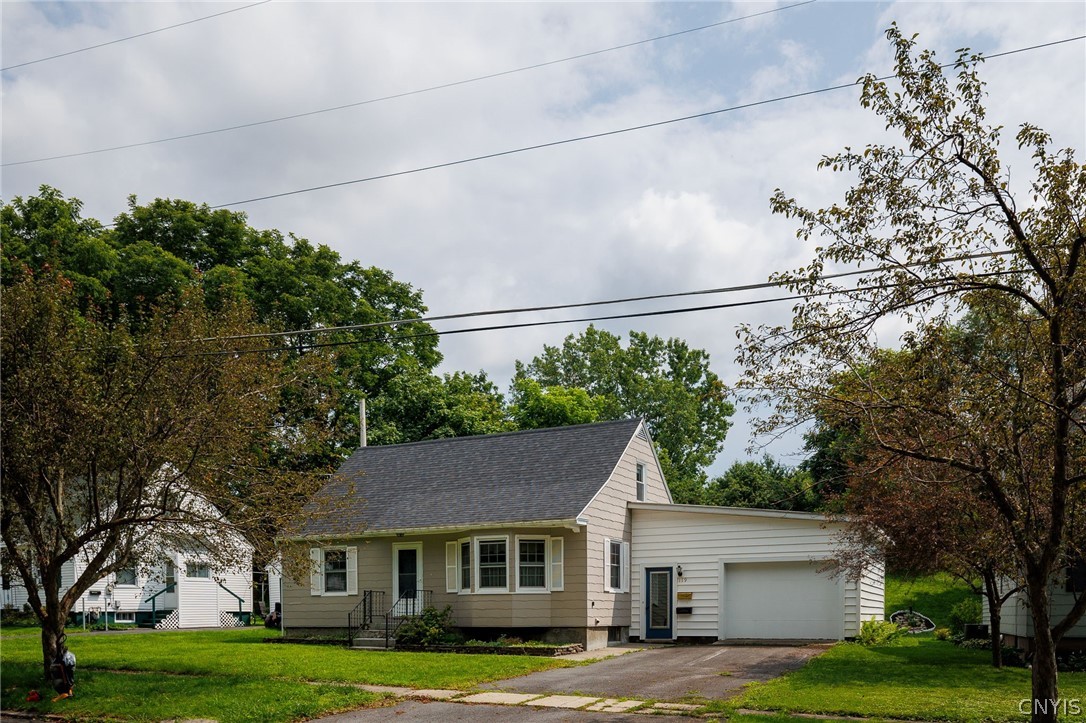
(777, 600)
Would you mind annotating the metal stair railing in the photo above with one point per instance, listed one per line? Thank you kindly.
(410, 604)
(361, 618)
(154, 602)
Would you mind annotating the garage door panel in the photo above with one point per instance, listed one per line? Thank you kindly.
(779, 600)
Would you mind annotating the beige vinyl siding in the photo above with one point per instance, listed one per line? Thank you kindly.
(702, 540)
(609, 519)
(563, 608)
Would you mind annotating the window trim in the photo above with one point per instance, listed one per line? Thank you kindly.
(197, 565)
(624, 565)
(135, 577)
(324, 571)
(316, 575)
(641, 481)
(479, 589)
(546, 565)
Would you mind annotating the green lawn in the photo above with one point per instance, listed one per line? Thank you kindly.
(933, 595)
(232, 675)
(921, 678)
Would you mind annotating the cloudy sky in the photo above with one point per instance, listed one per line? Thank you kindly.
(672, 208)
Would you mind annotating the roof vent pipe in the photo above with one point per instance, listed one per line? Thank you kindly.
(362, 422)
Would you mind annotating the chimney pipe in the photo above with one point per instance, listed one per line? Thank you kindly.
(362, 422)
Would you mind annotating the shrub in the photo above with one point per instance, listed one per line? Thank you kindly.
(879, 632)
(942, 633)
(1071, 662)
(431, 627)
(967, 612)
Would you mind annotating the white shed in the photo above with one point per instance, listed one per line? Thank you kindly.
(728, 573)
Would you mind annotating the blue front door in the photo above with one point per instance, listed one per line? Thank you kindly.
(658, 603)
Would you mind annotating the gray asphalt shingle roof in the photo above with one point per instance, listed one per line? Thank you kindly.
(543, 474)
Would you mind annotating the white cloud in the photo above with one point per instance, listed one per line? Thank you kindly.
(666, 209)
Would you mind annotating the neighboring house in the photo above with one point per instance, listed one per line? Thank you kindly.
(197, 596)
(1016, 623)
(531, 533)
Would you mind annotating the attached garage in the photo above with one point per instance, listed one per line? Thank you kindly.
(780, 600)
(700, 572)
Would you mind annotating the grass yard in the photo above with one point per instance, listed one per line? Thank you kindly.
(920, 678)
(933, 595)
(232, 675)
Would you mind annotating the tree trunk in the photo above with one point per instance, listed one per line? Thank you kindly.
(52, 638)
(1045, 702)
(1045, 682)
(997, 635)
(995, 614)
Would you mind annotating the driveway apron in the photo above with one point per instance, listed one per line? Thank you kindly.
(668, 673)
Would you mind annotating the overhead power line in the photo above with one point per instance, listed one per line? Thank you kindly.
(132, 37)
(370, 101)
(604, 134)
(586, 304)
(550, 322)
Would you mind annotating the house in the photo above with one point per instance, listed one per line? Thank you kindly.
(179, 590)
(1016, 623)
(566, 534)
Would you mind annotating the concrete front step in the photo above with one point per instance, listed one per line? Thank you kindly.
(372, 643)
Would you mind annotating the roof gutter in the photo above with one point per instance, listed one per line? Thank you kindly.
(574, 524)
(735, 511)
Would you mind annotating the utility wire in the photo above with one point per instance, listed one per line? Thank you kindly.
(604, 134)
(302, 347)
(599, 302)
(404, 94)
(130, 37)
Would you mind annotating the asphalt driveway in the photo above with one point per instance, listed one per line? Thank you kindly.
(669, 672)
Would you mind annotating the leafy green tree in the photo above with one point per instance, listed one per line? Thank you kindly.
(937, 219)
(765, 484)
(665, 381)
(158, 251)
(534, 406)
(420, 405)
(119, 446)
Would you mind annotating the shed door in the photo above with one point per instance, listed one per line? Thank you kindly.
(781, 600)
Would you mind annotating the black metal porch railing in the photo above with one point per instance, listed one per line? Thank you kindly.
(410, 604)
(364, 613)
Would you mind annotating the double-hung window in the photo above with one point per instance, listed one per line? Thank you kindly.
(616, 559)
(335, 571)
(532, 564)
(126, 576)
(197, 569)
(640, 482)
(493, 564)
(465, 565)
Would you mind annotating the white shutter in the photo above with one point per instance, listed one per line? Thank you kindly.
(557, 564)
(607, 564)
(352, 570)
(452, 569)
(625, 567)
(316, 571)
